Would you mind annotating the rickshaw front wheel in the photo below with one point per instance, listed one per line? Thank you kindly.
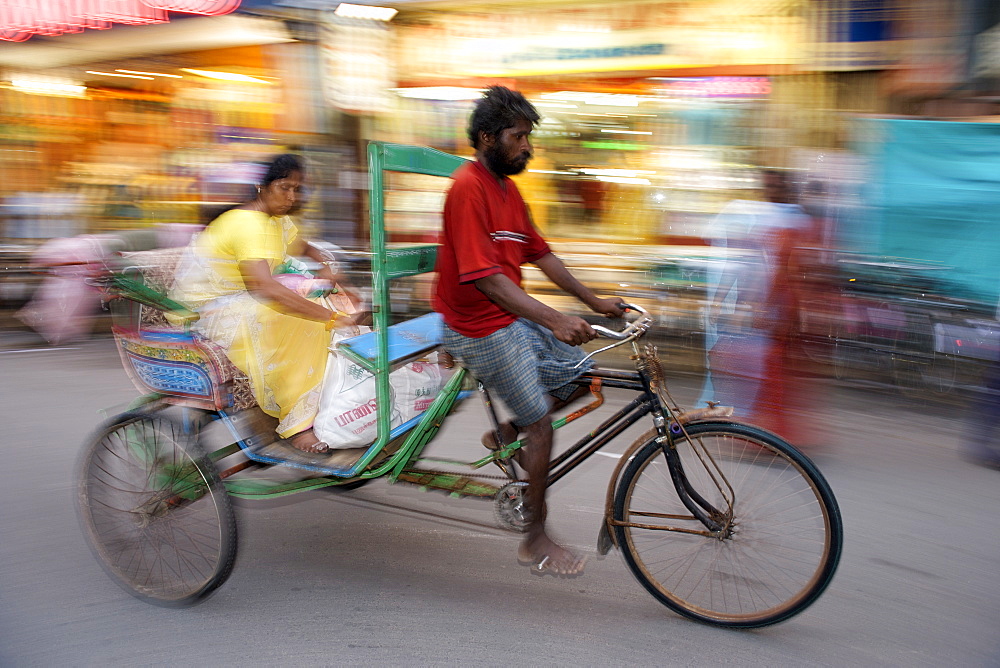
(154, 510)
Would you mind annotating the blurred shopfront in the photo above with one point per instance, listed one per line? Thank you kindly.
(655, 114)
(156, 124)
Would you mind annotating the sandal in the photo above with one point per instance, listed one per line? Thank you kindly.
(545, 564)
(306, 441)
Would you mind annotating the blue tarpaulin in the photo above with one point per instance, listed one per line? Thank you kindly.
(935, 197)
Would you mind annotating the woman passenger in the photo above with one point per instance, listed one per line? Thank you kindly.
(275, 336)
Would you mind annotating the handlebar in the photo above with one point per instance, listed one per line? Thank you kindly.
(631, 332)
(633, 328)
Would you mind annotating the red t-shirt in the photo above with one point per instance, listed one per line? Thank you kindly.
(487, 230)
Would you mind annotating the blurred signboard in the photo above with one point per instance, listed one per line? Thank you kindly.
(19, 21)
(719, 87)
(616, 37)
(358, 69)
(853, 35)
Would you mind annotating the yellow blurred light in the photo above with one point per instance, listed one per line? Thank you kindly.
(123, 76)
(348, 11)
(624, 179)
(439, 92)
(624, 173)
(626, 132)
(583, 28)
(152, 74)
(555, 105)
(605, 99)
(48, 87)
(225, 76)
(565, 96)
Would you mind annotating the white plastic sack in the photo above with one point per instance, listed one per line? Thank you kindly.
(348, 412)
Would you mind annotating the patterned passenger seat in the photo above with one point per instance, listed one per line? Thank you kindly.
(159, 357)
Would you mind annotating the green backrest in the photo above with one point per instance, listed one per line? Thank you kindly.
(389, 264)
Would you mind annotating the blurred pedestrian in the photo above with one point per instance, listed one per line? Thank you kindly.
(981, 436)
(754, 308)
(63, 307)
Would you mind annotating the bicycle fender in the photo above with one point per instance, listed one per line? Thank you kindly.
(606, 537)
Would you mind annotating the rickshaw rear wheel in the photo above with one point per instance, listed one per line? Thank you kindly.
(154, 510)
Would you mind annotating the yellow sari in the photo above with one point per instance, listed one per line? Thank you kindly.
(284, 356)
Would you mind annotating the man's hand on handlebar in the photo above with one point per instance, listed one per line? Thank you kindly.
(573, 330)
(612, 307)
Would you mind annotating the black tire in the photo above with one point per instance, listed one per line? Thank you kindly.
(785, 539)
(154, 510)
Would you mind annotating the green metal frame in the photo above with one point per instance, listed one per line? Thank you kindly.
(387, 265)
(392, 263)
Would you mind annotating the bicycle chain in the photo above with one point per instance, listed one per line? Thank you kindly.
(465, 474)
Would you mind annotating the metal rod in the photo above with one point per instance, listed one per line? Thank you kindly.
(654, 527)
(607, 424)
(554, 475)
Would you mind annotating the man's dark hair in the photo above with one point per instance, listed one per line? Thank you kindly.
(498, 109)
(281, 167)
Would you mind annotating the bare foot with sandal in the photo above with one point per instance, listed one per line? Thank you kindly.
(544, 555)
(537, 550)
(306, 441)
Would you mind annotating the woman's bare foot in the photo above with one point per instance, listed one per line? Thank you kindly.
(306, 441)
(542, 554)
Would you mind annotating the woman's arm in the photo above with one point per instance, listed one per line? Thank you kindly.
(330, 271)
(261, 284)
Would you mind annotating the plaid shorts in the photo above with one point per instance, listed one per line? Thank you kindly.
(521, 364)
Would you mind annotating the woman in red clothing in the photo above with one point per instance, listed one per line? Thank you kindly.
(754, 364)
(787, 391)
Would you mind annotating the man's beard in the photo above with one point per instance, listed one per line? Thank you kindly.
(498, 163)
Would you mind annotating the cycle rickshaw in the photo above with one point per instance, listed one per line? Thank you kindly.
(721, 521)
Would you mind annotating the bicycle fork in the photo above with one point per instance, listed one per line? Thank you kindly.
(715, 520)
